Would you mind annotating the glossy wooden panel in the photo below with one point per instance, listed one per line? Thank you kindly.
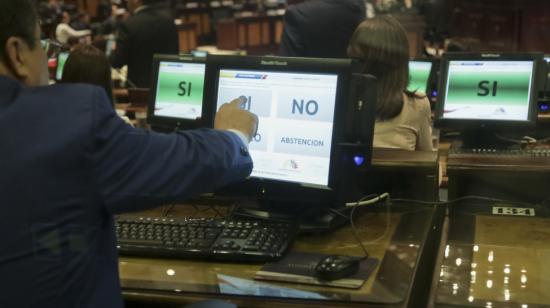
(414, 26)
(278, 31)
(501, 25)
(187, 35)
(227, 34)
(255, 33)
(502, 261)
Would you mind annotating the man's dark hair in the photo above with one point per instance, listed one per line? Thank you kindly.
(17, 18)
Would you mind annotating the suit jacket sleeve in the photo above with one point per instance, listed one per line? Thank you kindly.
(134, 169)
(292, 44)
(120, 55)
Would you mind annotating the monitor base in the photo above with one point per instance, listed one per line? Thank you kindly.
(478, 139)
(309, 220)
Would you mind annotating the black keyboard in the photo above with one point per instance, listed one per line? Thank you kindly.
(501, 152)
(218, 239)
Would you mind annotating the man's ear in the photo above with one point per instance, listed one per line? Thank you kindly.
(16, 52)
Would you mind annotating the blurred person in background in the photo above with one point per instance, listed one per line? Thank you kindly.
(81, 22)
(65, 34)
(320, 28)
(148, 31)
(403, 117)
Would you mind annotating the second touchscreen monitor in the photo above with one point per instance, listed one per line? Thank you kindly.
(491, 90)
(177, 92)
(179, 89)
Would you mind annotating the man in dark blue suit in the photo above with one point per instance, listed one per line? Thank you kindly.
(68, 164)
(320, 28)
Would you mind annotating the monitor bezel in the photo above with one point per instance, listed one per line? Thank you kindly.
(431, 76)
(165, 121)
(486, 124)
(269, 189)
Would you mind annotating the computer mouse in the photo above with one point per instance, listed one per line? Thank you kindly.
(336, 267)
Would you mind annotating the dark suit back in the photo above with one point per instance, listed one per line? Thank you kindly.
(320, 28)
(149, 31)
(67, 164)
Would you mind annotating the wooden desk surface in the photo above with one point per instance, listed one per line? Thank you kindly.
(397, 240)
(404, 174)
(498, 261)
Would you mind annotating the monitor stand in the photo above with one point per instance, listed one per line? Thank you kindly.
(483, 139)
(310, 218)
(353, 161)
(319, 216)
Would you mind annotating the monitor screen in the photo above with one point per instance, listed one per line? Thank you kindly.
(199, 53)
(180, 89)
(419, 72)
(177, 91)
(61, 59)
(296, 114)
(490, 90)
(109, 46)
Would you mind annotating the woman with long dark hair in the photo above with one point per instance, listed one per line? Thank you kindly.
(403, 118)
(87, 64)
